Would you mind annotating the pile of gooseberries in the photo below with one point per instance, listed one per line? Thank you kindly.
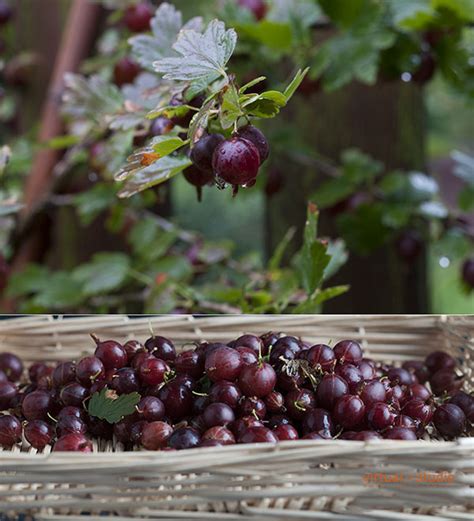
(253, 389)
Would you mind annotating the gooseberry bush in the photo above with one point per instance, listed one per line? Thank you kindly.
(166, 97)
(184, 113)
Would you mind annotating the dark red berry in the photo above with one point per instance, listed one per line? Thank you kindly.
(225, 392)
(63, 374)
(255, 136)
(330, 389)
(125, 380)
(380, 416)
(161, 347)
(445, 381)
(418, 410)
(258, 435)
(219, 434)
(318, 420)
(137, 17)
(10, 430)
(89, 369)
(450, 420)
(467, 272)
(348, 351)
(285, 432)
(189, 362)
(184, 438)
(132, 348)
(203, 150)
(8, 394)
(178, 400)
(349, 411)
(223, 363)
(400, 433)
(151, 408)
(155, 435)
(11, 365)
(426, 67)
(73, 442)
(73, 394)
(112, 354)
(125, 71)
(409, 245)
(465, 402)
(70, 424)
(198, 178)
(236, 161)
(36, 405)
(218, 414)
(372, 392)
(152, 371)
(257, 379)
(321, 357)
(439, 360)
(257, 7)
(398, 375)
(38, 433)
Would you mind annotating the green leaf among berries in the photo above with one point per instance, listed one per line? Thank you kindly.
(140, 175)
(203, 57)
(107, 405)
(165, 145)
(165, 27)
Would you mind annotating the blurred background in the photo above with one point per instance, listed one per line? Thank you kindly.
(380, 136)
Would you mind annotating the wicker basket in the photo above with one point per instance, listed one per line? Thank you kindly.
(342, 480)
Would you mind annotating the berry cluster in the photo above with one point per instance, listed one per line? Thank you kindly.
(253, 389)
(234, 161)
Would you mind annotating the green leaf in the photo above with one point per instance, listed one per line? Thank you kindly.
(176, 267)
(274, 35)
(230, 109)
(90, 98)
(332, 191)
(60, 292)
(60, 142)
(312, 258)
(266, 105)
(5, 155)
(106, 272)
(342, 12)
(339, 255)
(165, 27)
(466, 199)
(358, 167)
(275, 260)
(364, 230)
(412, 14)
(31, 279)
(139, 177)
(354, 54)
(93, 202)
(165, 145)
(295, 83)
(464, 9)
(313, 303)
(149, 241)
(203, 57)
(107, 405)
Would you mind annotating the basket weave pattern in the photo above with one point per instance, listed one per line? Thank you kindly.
(292, 480)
